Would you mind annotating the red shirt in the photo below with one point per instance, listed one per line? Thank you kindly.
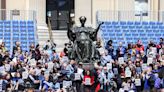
(140, 48)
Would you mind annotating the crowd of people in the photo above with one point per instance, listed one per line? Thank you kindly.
(134, 68)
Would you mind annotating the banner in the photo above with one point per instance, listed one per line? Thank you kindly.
(77, 76)
(121, 60)
(67, 84)
(87, 81)
(109, 66)
(137, 82)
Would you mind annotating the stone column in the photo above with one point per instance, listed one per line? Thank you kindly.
(41, 12)
(0, 4)
(104, 8)
(0, 8)
(154, 10)
(39, 6)
(126, 9)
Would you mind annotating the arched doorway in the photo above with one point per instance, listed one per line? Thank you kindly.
(60, 11)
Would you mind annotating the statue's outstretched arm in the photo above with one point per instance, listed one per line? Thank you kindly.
(96, 31)
(94, 34)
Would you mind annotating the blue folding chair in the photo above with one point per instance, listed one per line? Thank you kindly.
(138, 27)
(150, 34)
(111, 34)
(133, 31)
(154, 27)
(145, 23)
(130, 23)
(127, 34)
(149, 31)
(131, 27)
(22, 23)
(156, 31)
(23, 29)
(122, 23)
(124, 27)
(126, 31)
(116, 27)
(119, 34)
(115, 23)
(159, 23)
(152, 23)
(136, 23)
(7, 23)
(107, 23)
(161, 27)
(1, 29)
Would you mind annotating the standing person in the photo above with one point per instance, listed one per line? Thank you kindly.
(88, 81)
(66, 49)
(32, 51)
(15, 48)
(159, 46)
(148, 81)
(137, 82)
(105, 78)
(110, 48)
(4, 49)
(143, 57)
(37, 52)
(120, 52)
(139, 46)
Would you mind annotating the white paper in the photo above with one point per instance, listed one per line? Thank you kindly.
(50, 65)
(15, 59)
(25, 75)
(144, 66)
(32, 62)
(13, 74)
(137, 82)
(121, 60)
(46, 72)
(101, 50)
(37, 71)
(67, 84)
(2, 68)
(77, 76)
(87, 81)
(128, 73)
(7, 67)
(115, 70)
(149, 61)
(1, 41)
(109, 66)
(1, 83)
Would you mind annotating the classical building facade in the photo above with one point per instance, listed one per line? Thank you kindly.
(88, 8)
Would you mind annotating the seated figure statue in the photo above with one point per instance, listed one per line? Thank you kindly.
(82, 38)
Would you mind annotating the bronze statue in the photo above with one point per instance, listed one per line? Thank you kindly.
(82, 38)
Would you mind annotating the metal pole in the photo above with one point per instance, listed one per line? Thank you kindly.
(91, 11)
(158, 10)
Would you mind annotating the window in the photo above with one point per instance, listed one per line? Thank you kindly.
(141, 7)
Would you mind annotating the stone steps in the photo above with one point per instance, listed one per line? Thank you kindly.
(59, 37)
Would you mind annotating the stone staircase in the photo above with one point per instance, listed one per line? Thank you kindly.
(59, 37)
(43, 35)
